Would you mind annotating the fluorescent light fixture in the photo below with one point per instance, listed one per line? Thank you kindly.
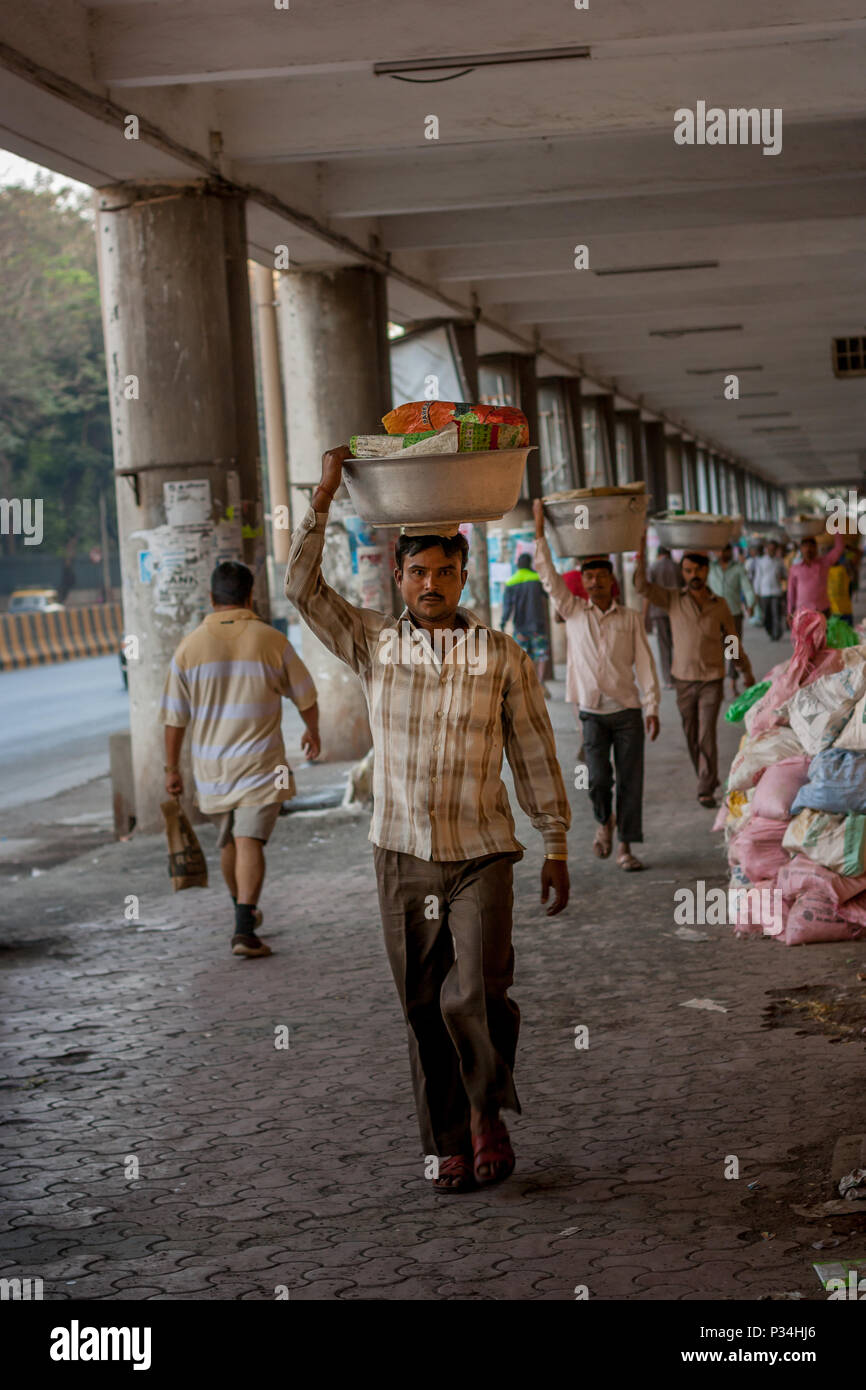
(657, 269)
(682, 332)
(478, 60)
(726, 371)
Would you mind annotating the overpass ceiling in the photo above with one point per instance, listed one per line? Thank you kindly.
(764, 253)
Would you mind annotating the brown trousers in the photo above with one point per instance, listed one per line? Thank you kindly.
(448, 938)
(698, 703)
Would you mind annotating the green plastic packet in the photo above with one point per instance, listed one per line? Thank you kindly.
(737, 710)
(840, 633)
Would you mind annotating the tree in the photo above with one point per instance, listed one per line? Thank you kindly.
(55, 430)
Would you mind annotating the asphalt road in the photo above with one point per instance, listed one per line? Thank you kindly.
(55, 722)
(54, 726)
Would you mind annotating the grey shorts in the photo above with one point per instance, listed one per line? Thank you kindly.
(253, 822)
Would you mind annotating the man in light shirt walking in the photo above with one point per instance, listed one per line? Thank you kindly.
(227, 681)
(729, 579)
(447, 697)
(606, 646)
(770, 577)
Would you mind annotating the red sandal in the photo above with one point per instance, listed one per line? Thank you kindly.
(492, 1149)
(457, 1166)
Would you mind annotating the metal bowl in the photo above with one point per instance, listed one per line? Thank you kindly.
(799, 530)
(689, 533)
(436, 489)
(615, 524)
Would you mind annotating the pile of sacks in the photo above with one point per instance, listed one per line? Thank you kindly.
(794, 815)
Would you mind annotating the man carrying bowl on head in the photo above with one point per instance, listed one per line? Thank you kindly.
(442, 830)
(606, 648)
(704, 636)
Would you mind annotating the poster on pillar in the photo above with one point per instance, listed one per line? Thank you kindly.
(373, 577)
(187, 502)
(228, 541)
(181, 568)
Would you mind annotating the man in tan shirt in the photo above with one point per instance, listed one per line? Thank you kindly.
(704, 637)
(447, 697)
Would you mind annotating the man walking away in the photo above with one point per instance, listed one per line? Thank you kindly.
(807, 581)
(606, 645)
(666, 572)
(226, 681)
(525, 604)
(730, 581)
(770, 577)
(447, 697)
(700, 623)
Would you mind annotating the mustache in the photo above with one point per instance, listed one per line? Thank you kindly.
(423, 596)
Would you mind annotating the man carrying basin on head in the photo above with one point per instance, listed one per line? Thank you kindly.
(606, 646)
(447, 697)
(807, 579)
(704, 637)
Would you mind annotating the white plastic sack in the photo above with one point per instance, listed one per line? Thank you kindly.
(853, 736)
(819, 712)
(837, 842)
(760, 752)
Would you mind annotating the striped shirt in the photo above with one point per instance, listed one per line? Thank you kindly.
(227, 680)
(441, 721)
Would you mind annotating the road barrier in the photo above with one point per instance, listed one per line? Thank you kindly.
(41, 639)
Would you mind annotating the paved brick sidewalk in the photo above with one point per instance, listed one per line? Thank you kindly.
(261, 1168)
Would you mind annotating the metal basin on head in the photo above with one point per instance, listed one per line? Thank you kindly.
(436, 489)
(800, 528)
(614, 522)
(696, 533)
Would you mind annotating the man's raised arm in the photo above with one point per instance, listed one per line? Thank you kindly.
(338, 624)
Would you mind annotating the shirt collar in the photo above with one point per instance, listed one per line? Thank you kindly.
(470, 619)
(230, 615)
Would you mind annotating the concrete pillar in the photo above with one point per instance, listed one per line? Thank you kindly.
(574, 408)
(607, 415)
(674, 472)
(337, 380)
(178, 341)
(262, 282)
(656, 465)
(690, 476)
(477, 593)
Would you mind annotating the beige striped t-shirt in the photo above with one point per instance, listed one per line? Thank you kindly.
(441, 722)
(227, 680)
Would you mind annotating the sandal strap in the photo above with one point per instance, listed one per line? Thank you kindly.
(454, 1166)
(493, 1145)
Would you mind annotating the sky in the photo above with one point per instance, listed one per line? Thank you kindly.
(15, 170)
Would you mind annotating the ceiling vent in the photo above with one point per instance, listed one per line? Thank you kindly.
(849, 356)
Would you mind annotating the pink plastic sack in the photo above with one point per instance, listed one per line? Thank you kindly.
(755, 908)
(811, 659)
(777, 787)
(815, 917)
(757, 848)
(802, 875)
(854, 911)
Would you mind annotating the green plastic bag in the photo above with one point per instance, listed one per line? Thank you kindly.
(737, 710)
(840, 634)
